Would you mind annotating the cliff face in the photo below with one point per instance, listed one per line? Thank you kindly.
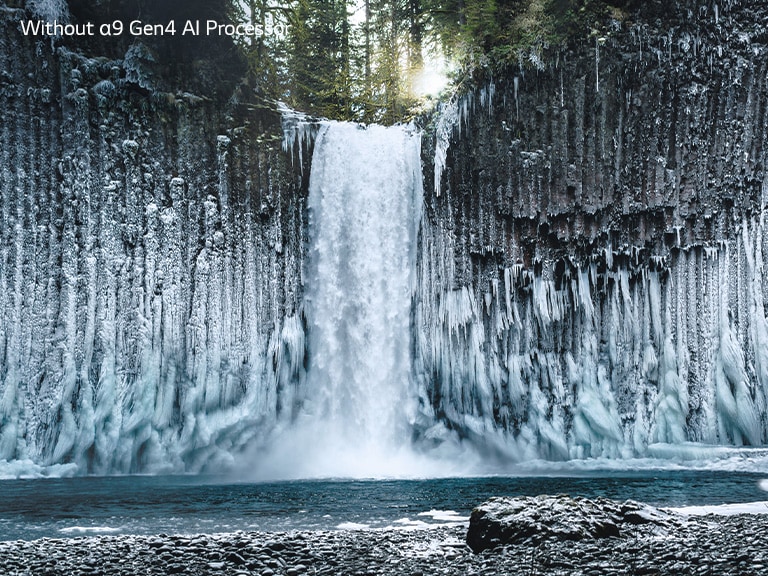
(593, 253)
(150, 263)
(589, 277)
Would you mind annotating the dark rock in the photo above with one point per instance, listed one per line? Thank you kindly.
(235, 558)
(505, 520)
(707, 546)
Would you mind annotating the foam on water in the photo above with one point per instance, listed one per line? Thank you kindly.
(78, 530)
(723, 509)
(444, 515)
(353, 526)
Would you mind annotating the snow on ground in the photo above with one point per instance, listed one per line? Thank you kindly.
(723, 509)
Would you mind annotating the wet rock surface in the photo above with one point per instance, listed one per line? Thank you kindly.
(584, 202)
(532, 520)
(696, 545)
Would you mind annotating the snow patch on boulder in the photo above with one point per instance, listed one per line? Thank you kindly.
(531, 520)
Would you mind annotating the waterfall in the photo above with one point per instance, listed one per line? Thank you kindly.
(364, 201)
(357, 402)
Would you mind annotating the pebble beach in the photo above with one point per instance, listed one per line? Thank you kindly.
(706, 545)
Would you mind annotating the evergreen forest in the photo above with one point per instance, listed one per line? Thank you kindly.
(361, 60)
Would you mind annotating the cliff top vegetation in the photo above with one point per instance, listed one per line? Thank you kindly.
(361, 60)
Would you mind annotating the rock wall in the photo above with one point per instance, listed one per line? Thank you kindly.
(150, 264)
(590, 269)
(594, 245)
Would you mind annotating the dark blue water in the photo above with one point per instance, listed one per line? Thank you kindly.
(62, 507)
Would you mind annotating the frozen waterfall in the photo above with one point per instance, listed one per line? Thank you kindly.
(531, 348)
(581, 278)
(350, 332)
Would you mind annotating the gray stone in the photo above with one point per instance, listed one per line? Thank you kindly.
(503, 520)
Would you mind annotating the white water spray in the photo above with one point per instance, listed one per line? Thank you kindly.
(359, 399)
(365, 202)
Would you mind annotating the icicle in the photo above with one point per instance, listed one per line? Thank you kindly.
(516, 84)
(597, 66)
(298, 131)
(448, 120)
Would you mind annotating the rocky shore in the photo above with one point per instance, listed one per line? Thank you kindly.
(697, 545)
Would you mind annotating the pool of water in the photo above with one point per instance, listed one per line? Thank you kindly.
(62, 507)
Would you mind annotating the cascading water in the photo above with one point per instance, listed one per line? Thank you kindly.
(358, 400)
(364, 201)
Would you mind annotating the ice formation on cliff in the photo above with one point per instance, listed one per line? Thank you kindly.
(585, 279)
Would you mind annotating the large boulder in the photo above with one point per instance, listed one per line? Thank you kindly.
(530, 520)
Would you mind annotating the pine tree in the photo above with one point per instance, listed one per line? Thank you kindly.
(319, 58)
